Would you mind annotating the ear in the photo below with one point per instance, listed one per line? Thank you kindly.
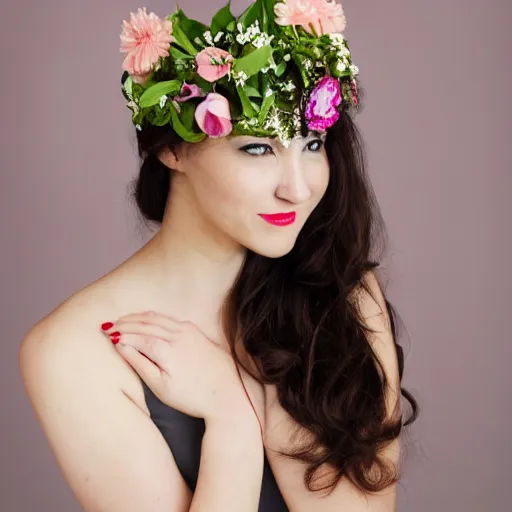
(171, 158)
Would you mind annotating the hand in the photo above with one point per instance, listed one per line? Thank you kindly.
(185, 369)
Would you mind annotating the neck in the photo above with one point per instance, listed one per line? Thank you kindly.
(190, 262)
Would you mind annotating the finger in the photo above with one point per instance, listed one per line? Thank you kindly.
(147, 330)
(146, 369)
(153, 317)
(157, 350)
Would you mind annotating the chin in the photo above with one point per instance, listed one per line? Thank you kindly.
(276, 249)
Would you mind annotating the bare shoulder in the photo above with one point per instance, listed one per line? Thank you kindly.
(71, 334)
(90, 405)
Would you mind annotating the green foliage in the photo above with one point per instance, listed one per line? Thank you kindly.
(222, 19)
(152, 95)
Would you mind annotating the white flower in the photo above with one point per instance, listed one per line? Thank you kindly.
(287, 57)
(217, 36)
(240, 78)
(354, 69)
(336, 38)
(208, 37)
(340, 66)
(163, 101)
(134, 106)
(138, 127)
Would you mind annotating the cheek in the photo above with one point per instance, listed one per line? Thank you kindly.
(227, 195)
(319, 180)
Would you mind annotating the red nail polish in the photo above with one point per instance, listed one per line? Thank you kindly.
(106, 326)
(115, 339)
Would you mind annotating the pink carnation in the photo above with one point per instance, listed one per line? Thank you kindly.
(144, 39)
(321, 110)
(326, 16)
(213, 115)
(213, 63)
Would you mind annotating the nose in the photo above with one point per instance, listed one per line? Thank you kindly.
(293, 186)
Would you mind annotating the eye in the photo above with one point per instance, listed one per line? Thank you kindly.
(264, 147)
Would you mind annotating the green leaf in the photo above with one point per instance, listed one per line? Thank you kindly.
(191, 28)
(187, 115)
(252, 92)
(181, 130)
(280, 69)
(152, 95)
(177, 54)
(268, 8)
(246, 104)
(128, 85)
(183, 40)
(251, 14)
(265, 107)
(231, 26)
(254, 61)
(255, 106)
(159, 117)
(221, 19)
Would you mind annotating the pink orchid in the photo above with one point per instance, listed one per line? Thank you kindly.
(326, 16)
(213, 115)
(321, 111)
(213, 63)
(189, 91)
(144, 39)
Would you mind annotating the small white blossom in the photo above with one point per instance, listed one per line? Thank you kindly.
(218, 36)
(163, 101)
(340, 66)
(269, 92)
(138, 127)
(354, 69)
(287, 57)
(208, 37)
(240, 78)
(134, 106)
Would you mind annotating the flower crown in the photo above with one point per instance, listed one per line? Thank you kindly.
(280, 69)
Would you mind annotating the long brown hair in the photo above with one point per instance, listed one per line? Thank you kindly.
(296, 316)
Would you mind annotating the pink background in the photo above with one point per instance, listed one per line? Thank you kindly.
(437, 120)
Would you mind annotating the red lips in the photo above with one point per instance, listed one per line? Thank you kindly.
(279, 219)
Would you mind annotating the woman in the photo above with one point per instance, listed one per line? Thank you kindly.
(253, 363)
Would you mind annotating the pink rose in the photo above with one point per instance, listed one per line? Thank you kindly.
(321, 111)
(144, 39)
(325, 16)
(213, 115)
(213, 63)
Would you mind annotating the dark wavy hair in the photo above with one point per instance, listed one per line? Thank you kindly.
(297, 318)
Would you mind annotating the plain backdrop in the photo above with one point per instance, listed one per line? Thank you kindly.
(436, 124)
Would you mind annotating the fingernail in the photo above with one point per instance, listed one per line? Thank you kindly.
(115, 337)
(106, 326)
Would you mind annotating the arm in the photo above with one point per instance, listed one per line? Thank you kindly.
(109, 451)
(289, 473)
(231, 469)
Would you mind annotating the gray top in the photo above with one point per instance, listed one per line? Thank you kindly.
(184, 435)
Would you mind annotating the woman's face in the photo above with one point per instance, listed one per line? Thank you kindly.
(238, 181)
